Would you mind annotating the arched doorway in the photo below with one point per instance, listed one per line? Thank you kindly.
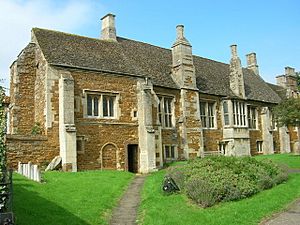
(109, 156)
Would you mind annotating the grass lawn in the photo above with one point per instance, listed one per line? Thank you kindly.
(159, 209)
(292, 161)
(81, 198)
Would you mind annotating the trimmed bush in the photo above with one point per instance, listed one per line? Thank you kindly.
(218, 178)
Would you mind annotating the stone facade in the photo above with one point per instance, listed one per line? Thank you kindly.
(119, 114)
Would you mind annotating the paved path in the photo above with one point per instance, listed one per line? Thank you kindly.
(289, 217)
(125, 213)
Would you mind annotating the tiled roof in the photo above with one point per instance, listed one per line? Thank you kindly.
(141, 59)
(281, 92)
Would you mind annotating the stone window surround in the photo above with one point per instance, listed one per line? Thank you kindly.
(230, 103)
(249, 107)
(170, 147)
(207, 115)
(101, 93)
(163, 95)
(223, 147)
(259, 146)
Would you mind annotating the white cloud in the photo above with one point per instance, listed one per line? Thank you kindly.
(17, 17)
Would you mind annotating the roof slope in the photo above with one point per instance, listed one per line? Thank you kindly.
(141, 59)
(281, 92)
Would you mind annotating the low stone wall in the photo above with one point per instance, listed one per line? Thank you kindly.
(29, 148)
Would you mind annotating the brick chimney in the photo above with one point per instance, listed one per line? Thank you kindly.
(108, 31)
(236, 74)
(252, 63)
(183, 71)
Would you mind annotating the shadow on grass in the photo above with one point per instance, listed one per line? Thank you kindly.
(30, 208)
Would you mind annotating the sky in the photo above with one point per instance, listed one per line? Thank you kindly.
(270, 28)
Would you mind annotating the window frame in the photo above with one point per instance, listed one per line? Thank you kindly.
(252, 115)
(239, 114)
(173, 148)
(259, 146)
(226, 114)
(165, 111)
(209, 116)
(99, 113)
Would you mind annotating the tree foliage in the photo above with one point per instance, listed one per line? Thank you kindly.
(2, 131)
(298, 80)
(288, 112)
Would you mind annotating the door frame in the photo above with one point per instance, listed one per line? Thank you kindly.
(138, 156)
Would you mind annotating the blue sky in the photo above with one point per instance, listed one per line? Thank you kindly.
(269, 28)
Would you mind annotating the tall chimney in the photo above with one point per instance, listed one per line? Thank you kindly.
(252, 63)
(183, 66)
(108, 31)
(236, 77)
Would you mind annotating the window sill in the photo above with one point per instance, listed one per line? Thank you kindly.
(210, 128)
(168, 128)
(100, 118)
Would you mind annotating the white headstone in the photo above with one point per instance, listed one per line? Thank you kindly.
(54, 163)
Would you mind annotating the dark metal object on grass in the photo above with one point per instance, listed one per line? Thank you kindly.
(169, 185)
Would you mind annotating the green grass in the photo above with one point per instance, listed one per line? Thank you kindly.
(159, 209)
(292, 161)
(68, 198)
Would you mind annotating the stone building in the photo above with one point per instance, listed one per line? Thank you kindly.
(115, 103)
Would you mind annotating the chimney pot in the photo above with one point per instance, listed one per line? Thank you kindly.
(233, 51)
(180, 32)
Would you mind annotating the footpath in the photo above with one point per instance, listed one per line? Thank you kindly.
(289, 217)
(126, 211)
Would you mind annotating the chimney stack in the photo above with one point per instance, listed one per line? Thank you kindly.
(288, 80)
(183, 71)
(233, 51)
(236, 77)
(108, 31)
(252, 63)
(289, 71)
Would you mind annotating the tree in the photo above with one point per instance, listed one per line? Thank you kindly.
(298, 80)
(2, 131)
(287, 113)
(3, 188)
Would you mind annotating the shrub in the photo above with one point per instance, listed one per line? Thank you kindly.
(201, 191)
(218, 178)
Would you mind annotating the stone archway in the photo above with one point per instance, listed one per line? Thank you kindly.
(109, 156)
